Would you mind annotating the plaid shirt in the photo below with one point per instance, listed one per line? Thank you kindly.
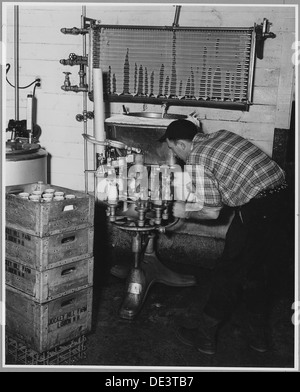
(235, 170)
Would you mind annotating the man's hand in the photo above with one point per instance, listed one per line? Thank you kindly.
(194, 118)
(179, 209)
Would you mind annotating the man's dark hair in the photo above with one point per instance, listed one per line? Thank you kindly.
(180, 129)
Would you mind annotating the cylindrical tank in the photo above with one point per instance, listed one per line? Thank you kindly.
(25, 167)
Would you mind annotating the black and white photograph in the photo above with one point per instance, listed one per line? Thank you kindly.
(149, 202)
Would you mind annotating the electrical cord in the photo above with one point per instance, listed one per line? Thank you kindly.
(36, 81)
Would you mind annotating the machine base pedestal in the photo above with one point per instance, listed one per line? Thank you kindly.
(141, 278)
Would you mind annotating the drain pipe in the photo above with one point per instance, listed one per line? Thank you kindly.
(16, 59)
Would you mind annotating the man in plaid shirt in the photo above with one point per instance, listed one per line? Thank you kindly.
(228, 170)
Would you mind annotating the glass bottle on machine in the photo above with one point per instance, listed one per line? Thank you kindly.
(101, 180)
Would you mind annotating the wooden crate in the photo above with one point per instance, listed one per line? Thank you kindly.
(48, 252)
(17, 353)
(45, 326)
(43, 219)
(50, 284)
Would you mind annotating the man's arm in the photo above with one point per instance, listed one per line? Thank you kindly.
(205, 213)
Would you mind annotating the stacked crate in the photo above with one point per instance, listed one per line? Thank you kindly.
(17, 353)
(49, 267)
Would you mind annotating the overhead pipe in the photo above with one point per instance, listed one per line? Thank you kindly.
(16, 60)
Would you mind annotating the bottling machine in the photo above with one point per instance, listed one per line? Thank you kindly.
(152, 65)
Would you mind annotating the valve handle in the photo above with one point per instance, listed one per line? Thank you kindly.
(79, 117)
(72, 56)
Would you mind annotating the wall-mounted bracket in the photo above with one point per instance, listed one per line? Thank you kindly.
(262, 33)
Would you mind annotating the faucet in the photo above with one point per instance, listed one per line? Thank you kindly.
(67, 83)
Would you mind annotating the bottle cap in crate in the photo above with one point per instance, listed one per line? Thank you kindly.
(44, 219)
(35, 198)
(47, 199)
(24, 195)
(58, 193)
(47, 195)
(58, 198)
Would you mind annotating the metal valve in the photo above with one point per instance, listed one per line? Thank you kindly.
(73, 30)
(75, 60)
(265, 29)
(72, 56)
(262, 33)
(78, 59)
(79, 117)
(67, 82)
(85, 116)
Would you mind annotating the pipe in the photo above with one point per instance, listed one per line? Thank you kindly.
(90, 89)
(84, 104)
(99, 112)
(16, 59)
(76, 88)
(29, 122)
(176, 17)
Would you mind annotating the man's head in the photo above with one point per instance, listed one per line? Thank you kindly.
(179, 135)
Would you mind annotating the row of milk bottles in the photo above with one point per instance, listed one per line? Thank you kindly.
(111, 188)
(167, 182)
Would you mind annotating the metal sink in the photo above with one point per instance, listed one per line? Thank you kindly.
(156, 115)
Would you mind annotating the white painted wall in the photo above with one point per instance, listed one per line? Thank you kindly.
(42, 45)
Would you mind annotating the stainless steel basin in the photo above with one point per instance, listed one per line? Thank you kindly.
(157, 115)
